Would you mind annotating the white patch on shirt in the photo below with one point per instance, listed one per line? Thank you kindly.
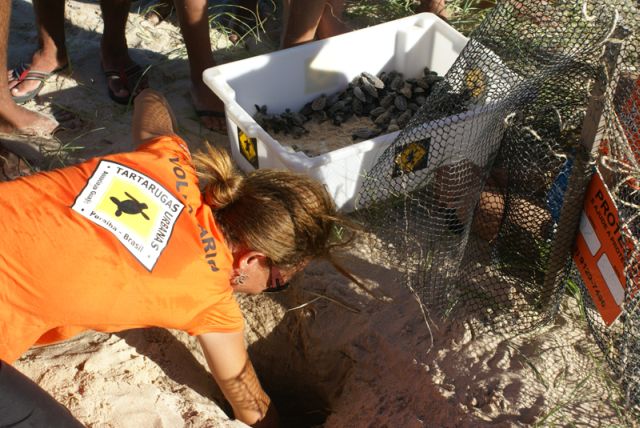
(137, 210)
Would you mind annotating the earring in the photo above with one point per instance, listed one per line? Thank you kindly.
(239, 279)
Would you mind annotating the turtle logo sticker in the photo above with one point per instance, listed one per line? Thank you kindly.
(411, 158)
(476, 82)
(137, 210)
(248, 148)
(130, 206)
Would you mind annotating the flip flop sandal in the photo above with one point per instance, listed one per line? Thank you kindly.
(133, 78)
(23, 72)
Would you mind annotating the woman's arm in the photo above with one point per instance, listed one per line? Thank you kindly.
(230, 365)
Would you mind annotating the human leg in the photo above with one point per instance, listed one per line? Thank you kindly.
(23, 403)
(194, 24)
(13, 118)
(51, 55)
(286, 9)
(331, 23)
(152, 117)
(303, 18)
(124, 77)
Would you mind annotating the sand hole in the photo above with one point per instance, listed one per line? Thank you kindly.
(301, 376)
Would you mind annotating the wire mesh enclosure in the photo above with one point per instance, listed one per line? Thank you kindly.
(483, 188)
(480, 197)
(618, 166)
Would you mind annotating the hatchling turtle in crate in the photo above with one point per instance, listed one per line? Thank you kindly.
(388, 99)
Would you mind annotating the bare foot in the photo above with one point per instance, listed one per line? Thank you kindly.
(209, 107)
(18, 120)
(42, 62)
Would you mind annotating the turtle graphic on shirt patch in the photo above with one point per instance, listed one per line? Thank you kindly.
(139, 211)
(130, 206)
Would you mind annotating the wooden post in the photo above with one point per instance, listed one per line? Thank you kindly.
(582, 170)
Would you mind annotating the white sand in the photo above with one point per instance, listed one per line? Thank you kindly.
(325, 137)
(374, 367)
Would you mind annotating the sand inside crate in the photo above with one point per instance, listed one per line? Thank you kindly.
(324, 137)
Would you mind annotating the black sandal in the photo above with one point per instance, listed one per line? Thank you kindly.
(134, 79)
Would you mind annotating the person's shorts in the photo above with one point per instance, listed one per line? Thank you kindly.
(23, 404)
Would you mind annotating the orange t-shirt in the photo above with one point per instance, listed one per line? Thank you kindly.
(113, 243)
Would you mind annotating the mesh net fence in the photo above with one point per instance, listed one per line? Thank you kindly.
(617, 164)
(480, 196)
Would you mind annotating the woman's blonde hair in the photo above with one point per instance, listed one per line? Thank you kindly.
(287, 216)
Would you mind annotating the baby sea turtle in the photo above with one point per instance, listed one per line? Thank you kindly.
(377, 111)
(130, 206)
(388, 99)
(319, 103)
(374, 80)
(359, 94)
(368, 88)
(364, 134)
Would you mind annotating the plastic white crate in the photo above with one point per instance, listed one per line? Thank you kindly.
(292, 77)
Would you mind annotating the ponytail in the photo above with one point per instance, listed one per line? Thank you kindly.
(287, 216)
(215, 169)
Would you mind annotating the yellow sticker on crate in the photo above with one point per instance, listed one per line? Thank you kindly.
(412, 157)
(599, 251)
(248, 148)
(476, 82)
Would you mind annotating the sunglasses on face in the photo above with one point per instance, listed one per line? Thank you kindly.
(275, 282)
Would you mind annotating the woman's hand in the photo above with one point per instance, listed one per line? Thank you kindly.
(270, 420)
(231, 368)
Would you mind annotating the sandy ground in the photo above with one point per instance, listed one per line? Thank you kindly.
(330, 354)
